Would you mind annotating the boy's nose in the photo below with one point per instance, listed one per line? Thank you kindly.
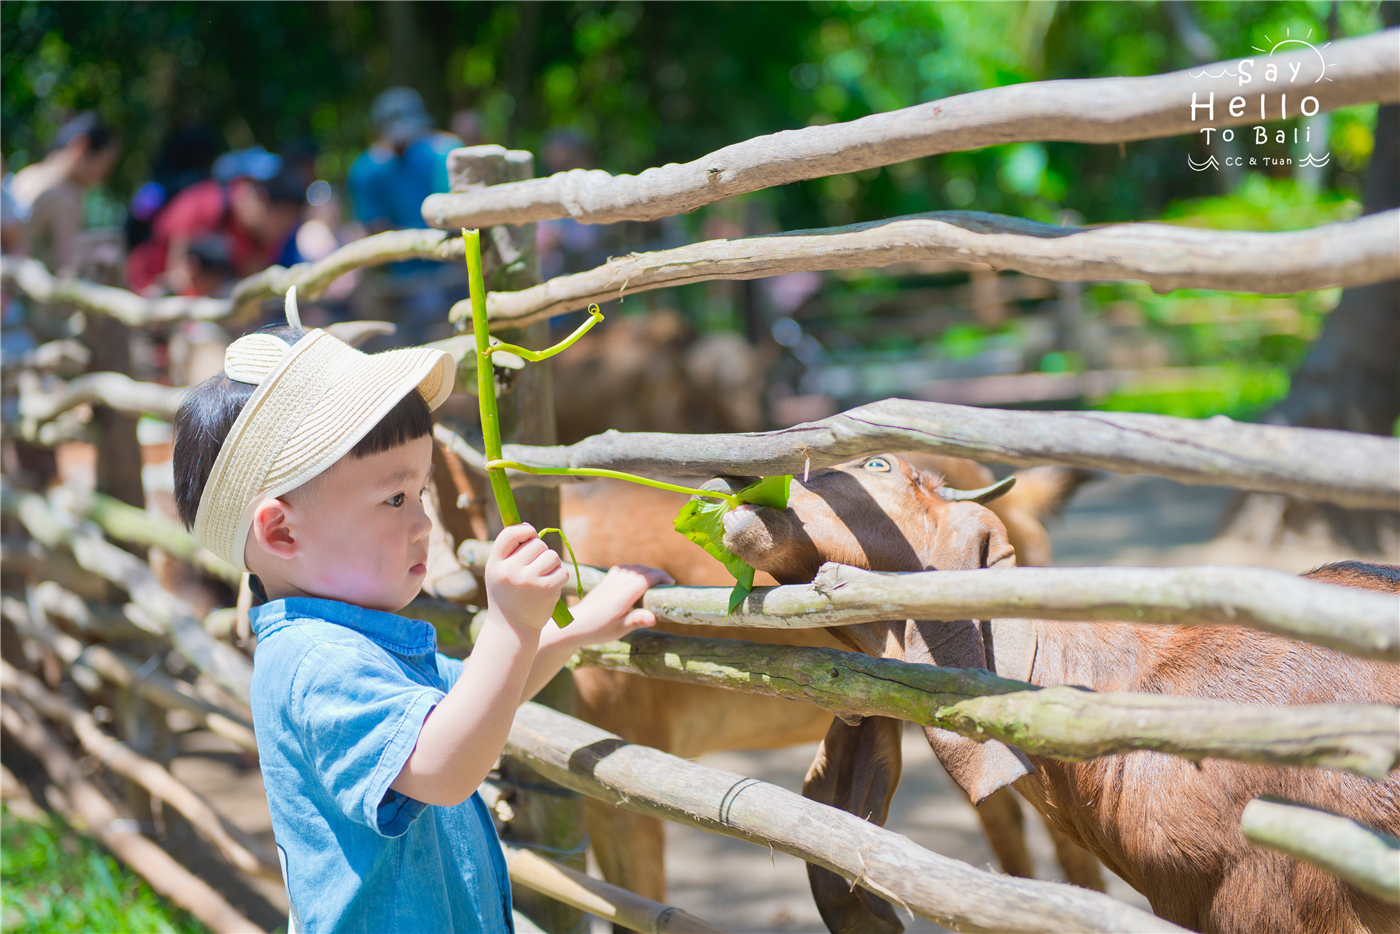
(422, 525)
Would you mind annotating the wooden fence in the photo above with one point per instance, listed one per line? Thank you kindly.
(73, 594)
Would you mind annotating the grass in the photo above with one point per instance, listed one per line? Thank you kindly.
(54, 880)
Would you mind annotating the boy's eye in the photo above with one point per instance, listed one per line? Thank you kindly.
(396, 500)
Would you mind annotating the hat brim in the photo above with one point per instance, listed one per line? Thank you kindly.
(309, 412)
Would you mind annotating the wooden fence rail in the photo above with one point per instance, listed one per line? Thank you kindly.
(1093, 110)
(1366, 858)
(944, 890)
(1346, 468)
(1355, 252)
(1359, 622)
(160, 612)
(1058, 722)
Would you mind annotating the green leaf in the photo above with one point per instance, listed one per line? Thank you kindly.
(770, 491)
(702, 521)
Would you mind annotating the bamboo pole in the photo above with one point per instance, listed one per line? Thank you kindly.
(1359, 855)
(1342, 467)
(1359, 622)
(93, 811)
(600, 899)
(1354, 252)
(239, 848)
(1057, 722)
(1086, 110)
(943, 890)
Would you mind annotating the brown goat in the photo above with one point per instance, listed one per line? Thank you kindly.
(1169, 826)
(610, 522)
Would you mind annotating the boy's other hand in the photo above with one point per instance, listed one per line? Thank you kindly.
(523, 578)
(606, 613)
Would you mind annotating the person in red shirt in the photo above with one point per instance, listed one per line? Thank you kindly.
(253, 217)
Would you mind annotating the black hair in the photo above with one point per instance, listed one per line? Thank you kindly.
(287, 186)
(86, 123)
(211, 408)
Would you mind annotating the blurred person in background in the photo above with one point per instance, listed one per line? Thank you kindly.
(566, 246)
(406, 162)
(49, 193)
(254, 217)
(186, 156)
(11, 218)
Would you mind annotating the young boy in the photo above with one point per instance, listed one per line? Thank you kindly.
(305, 464)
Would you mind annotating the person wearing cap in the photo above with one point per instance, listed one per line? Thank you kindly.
(406, 163)
(305, 463)
(387, 183)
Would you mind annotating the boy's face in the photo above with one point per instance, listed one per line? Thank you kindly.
(360, 532)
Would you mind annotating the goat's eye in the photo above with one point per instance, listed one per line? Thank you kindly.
(878, 463)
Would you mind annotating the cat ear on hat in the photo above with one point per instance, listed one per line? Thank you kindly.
(249, 359)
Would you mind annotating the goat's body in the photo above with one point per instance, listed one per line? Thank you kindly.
(1171, 827)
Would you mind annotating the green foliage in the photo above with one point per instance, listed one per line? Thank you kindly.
(1264, 203)
(646, 83)
(702, 521)
(1239, 392)
(58, 881)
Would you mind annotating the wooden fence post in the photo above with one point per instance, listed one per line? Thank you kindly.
(552, 822)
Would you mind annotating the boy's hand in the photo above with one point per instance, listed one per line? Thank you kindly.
(604, 615)
(523, 578)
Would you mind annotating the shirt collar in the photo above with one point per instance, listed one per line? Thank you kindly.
(396, 633)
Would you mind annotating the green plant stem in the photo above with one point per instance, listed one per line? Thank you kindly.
(535, 356)
(486, 396)
(492, 465)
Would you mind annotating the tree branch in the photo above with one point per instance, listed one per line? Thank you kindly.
(122, 670)
(1358, 622)
(166, 614)
(1059, 722)
(606, 902)
(1355, 252)
(114, 390)
(239, 848)
(1093, 110)
(944, 890)
(1346, 468)
(1359, 855)
(92, 809)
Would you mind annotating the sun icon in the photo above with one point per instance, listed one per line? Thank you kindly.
(1288, 40)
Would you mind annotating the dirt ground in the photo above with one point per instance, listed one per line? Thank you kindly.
(1140, 521)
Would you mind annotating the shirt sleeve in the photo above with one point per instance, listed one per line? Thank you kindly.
(449, 669)
(358, 717)
(363, 181)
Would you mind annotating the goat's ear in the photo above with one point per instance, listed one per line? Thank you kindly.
(982, 496)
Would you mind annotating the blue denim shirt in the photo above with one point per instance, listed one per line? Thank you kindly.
(339, 695)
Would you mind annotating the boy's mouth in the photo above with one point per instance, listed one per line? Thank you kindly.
(419, 568)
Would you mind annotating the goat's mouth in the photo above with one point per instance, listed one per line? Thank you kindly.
(745, 531)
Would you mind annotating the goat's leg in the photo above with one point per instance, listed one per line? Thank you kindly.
(857, 769)
(1002, 820)
(1080, 867)
(630, 848)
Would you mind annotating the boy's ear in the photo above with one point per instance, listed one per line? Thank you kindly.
(272, 529)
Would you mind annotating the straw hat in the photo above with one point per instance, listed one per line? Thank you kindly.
(315, 400)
